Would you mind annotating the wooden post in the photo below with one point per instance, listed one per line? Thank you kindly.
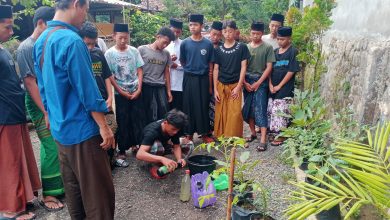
(230, 190)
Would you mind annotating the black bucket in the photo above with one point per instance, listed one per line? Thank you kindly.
(331, 214)
(201, 163)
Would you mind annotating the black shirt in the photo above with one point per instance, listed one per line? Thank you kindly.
(12, 110)
(229, 61)
(100, 69)
(285, 62)
(153, 132)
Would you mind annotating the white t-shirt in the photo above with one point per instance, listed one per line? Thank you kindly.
(268, 39)
(102, 45)
(176, 74)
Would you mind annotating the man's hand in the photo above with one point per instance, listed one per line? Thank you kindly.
(174, 66)
(255, 86)
(109, 104)
(135, 95)
(276, 88)
(46, 116)
(170, 164)
(235, 92)
(183, 162)
(216, 96)
(170, 97)
(248, 87)
(174, 58)
(108, 138)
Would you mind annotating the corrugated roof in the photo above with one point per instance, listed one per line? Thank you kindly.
(116, 2)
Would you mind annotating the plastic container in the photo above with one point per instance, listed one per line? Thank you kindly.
(202, 195)
(185, 188)
(200, 163)
(222, 182)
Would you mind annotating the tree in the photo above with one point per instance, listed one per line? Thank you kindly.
(242, 11)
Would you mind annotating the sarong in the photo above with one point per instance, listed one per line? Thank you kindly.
(276, 109)
(177, 102)
(196, 100)
(212, 112)
(228, 118)
(155, 101)
(50, 165)
(19, 177)
(258, 106)
(130, 117)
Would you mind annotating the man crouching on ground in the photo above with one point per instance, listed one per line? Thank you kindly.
(162, 137)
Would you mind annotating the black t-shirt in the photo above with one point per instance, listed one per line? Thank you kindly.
(285, 62)
(12, 110)
(153, 132)
(229, 61)
(100, 69)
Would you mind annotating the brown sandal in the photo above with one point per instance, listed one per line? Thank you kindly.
(250, 138)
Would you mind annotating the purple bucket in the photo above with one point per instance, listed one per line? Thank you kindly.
(201, 196)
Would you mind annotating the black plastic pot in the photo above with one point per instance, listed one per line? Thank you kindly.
(331, 214)
(201, 163)
(310, 180)
(304, 165)
(239, 213)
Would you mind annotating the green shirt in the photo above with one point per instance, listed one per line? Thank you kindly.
(260, 56)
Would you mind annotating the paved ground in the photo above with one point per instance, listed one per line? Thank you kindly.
(138, 196)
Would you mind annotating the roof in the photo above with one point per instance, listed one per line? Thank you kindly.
(154, 5)
(117, 2)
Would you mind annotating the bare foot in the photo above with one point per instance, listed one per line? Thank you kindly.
(26, 216)
(52, 202)
(18, 216)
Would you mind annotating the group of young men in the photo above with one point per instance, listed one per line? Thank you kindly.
(165, 92)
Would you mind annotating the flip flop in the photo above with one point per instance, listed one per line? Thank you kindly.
(276, 143)
(2, 217)
(251, 138)
(121, 163)
(56, 201)
(262, 147)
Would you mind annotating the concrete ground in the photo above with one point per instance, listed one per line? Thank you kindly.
(138, 196)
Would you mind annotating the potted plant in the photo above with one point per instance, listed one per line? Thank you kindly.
(364, 180)
(250, 198)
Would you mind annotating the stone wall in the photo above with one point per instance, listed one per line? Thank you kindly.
(357, 58)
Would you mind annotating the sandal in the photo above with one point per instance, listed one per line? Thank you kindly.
(2, 217)
(121, 163)
(275, 143)
(251, 138)
(53, 200)
(261, 147)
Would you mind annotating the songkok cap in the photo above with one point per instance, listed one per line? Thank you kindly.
(121, 28)
(284, 31)
(277, 17)
(176, 23)
(257, 26)
(5, 11)
(196, 18)
(45, 13)
(216, 25)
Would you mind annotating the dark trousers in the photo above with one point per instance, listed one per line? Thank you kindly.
(196, 100)
(87, 180)
(131, 120)
(155, 102)
(177, 101)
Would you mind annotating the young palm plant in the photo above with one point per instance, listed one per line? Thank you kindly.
(365, 179)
